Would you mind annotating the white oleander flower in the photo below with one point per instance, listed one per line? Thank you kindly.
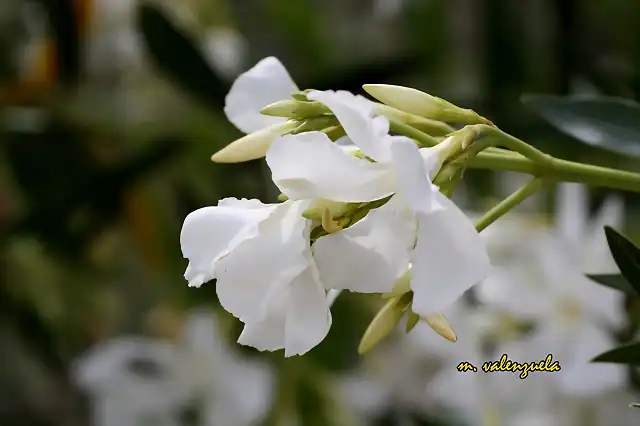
(260, 255)
(418, 225)
(545, 283)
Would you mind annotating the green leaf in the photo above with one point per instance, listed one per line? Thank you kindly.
(627, 256)
(177, 56)
(615, 281)
(605, 122)
(625, 354)
(635, 405)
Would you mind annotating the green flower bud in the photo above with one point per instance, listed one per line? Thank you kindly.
(427, 125)
(295, 109)
(419, 103)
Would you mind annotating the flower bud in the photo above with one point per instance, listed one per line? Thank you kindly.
(254, 145)
(441, 325)
(427, 125)
(384, 322)
(419, 103)
(295, 109)
(455, 143)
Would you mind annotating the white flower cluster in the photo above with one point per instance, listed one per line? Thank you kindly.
(272, 274)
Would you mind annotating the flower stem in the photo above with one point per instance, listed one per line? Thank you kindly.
(509, 203)
(424, 140)
(522, 157)
(560, 171)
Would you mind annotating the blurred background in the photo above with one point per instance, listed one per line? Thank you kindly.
(108, 117)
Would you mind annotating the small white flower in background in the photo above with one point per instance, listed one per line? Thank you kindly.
(132, 380)
(573, 315)
(226, 49)
(137, 381)
(266, 275)
(448, 255)
(392, 378)
(387, 8)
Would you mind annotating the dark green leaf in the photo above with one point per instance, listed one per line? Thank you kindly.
(636, 405)
(615, 281)
(178, 57)
(625, 354)
(605, 122)
(627, 256)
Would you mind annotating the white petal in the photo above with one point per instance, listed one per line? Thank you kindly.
(267, 82)
(296, 316)
(355, 114)
(273, 258)
(370, 256)
(449, 258)
(265, 335)
(414, 183)
(211, 232)
(308, 316)
(309, 165)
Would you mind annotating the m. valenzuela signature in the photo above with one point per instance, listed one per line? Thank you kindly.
(505, 364)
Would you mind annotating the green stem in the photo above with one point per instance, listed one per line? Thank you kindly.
(523, 158)
(560, 171)
(424, 140)
(509, 203)
(498, 137)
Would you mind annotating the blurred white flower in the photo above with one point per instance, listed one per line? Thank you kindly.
(114, 42)
(136, 381)
(132, 380)
(448, 255)
(390, 379)
(545, 282)
(387, 8)
(226, 49)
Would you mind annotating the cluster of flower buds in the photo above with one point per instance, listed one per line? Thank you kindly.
(359, 211)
